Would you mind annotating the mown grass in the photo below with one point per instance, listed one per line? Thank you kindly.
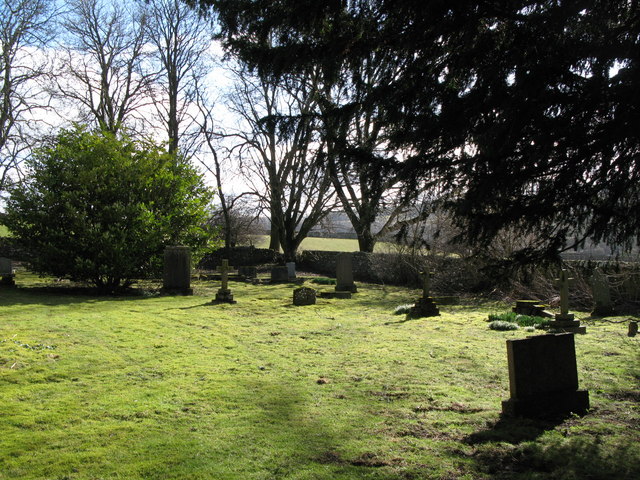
(177, 388)
(325, 244)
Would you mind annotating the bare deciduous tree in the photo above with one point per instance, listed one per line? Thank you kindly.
(24, 28)
(103, 72)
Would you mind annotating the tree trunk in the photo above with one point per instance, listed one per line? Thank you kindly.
(366, 241)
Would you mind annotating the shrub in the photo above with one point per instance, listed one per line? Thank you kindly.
(502, 325)
(402, 309)
(521, 320)
(324, 281)
(100, 208)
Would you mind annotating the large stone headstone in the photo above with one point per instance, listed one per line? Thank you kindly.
(177, 270)
(291, 270)
(279, 274)
(543, 377)
(304, 296)
(344, 274)
(601, 294)
(6, 272)
(248, 272)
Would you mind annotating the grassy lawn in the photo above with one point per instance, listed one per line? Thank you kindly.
(176, 388)
(325, 244)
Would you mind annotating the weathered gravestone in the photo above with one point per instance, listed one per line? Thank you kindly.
(247, 272)
(543, 377)
(224, 294)
(177, 271)
(6, 272)
(533, 308)
(565, 321)
(304, 296)
(601, 294)
(291, 270)
(633, 328)
(344, 274)
(279, 274)
(425, 306)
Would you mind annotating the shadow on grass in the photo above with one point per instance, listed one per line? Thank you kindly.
(66, 295)
(557, 457)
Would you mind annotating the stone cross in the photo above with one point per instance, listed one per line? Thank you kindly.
(563, 283)
(224, 270)
(426, 282)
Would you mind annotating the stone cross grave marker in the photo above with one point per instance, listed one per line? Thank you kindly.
(565, 321)
(425, 306)
(224, 294)
(543, 377)
(344, 273)
(177, 270)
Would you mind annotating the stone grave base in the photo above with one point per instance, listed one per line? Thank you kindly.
(603, 311)
(224, 296)
(341, 295)
(424, 307)
(532, 308)
(548, 404)
(347, 288)
(567, 324)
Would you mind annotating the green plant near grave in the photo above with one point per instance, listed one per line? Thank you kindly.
(520, 320)
(501, 325)
(324, 281)
(101, 208)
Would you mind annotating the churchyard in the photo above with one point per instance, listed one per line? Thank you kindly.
(148, 386)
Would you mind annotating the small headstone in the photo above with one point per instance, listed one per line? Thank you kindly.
(224, 294)
(291, 270)
(633, 328)
(177, 270)
(248, 273)
(543, 377)
(6, 272)
(601, 294)
(425, 306)
(565, 321)
(304, 296)
(279, 274)
(344, 274)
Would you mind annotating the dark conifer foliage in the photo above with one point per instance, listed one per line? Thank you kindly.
(525, 112)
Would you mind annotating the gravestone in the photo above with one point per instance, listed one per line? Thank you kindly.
(344, 274)
(6, 272)
(291, 270)
(425, 306)
(177, 271)
(565, 321)
(279, 274)
(633, 328)
(533, 308)
(543, 377)
(601, 294)
(248, 272)
(304, 296)
(224, 294)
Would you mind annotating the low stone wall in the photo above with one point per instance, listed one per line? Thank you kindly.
(240, 257)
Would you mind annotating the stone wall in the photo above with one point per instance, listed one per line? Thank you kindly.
(240, 257)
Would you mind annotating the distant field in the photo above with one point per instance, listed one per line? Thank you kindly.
(3, 231)
(325, 244)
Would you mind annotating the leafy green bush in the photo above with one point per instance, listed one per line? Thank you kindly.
(502, 325)
(402, 309)
(100, 208)
(521, 320)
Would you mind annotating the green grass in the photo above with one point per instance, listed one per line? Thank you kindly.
(4, 231)
(176, 388)
(325, 244)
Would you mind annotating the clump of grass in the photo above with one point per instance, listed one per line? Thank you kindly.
(324, 281)
(520, 320)
(403, 309)
(503, 326)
